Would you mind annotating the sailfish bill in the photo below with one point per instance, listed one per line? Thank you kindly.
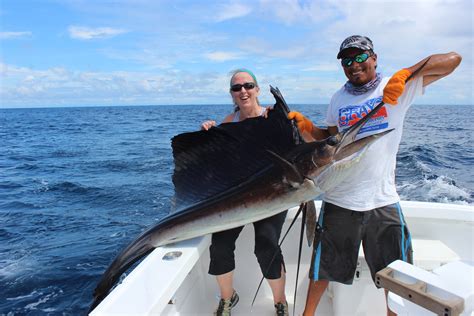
(238, 173)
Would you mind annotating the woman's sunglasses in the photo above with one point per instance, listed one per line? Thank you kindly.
(347, 62)
(238, 87)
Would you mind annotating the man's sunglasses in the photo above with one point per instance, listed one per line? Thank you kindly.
(247, 86)
(347, 62)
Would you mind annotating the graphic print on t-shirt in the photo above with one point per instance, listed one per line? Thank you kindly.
(350, 114)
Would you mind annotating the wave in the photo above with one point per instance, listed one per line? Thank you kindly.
(114, 165)
(27, 166)
(38, 298)
(4, 233)
(21, 158)
(425, 173)
(10, 185)
(161, 165)
(62, 153)
(158, 120)
(69, 187)
(15, 205)
(430, 154)
(21, 266)
(436, 189)
(148, 130)
(65, 186)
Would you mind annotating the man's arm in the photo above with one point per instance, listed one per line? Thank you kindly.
(438, 66)
(431, 68)
(319, 133)
(332, 130)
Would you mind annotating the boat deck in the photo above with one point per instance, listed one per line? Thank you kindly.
(247, 276)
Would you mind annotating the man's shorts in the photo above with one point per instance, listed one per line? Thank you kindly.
(339, 232)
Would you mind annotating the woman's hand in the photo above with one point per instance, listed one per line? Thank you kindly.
(267, 109)
(207, 125)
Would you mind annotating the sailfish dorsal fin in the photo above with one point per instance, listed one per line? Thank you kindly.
(210, 162)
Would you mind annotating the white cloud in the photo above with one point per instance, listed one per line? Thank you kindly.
(323, 67)
(13, 35)
(411, 32)
(280, 39)
(232, 11)
(22, 86)
(287, 11)
(293, 11)
(222, 56)
(273, 49)
(87, 33)
(398, 20)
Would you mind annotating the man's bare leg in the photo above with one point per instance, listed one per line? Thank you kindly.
(315, 292)
(389, 312)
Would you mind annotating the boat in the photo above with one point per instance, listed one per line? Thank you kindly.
(173, 279)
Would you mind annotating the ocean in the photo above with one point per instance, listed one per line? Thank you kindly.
(78, 184)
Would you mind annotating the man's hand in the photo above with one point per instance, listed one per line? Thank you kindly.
(395, 86)
(303, 123)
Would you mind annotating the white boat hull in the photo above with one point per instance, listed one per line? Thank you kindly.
(441, 233)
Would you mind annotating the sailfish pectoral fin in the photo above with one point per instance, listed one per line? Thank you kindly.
(292, 175)
(310, 223)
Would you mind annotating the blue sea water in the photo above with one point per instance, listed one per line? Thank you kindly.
(78, 184)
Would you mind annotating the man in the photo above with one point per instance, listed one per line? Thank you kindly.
(364, 208)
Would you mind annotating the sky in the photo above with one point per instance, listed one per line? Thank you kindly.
(152, 52)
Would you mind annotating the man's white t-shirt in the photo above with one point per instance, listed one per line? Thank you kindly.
(372, 184)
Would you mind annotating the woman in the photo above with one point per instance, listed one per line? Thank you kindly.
(244, 90)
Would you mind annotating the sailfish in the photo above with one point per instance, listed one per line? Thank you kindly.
(238, 173)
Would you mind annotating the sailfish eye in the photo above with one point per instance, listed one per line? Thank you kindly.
(332, 140)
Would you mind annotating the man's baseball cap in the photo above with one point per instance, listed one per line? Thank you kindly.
(356, 41)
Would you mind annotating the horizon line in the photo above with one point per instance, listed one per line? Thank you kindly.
(182, 104)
